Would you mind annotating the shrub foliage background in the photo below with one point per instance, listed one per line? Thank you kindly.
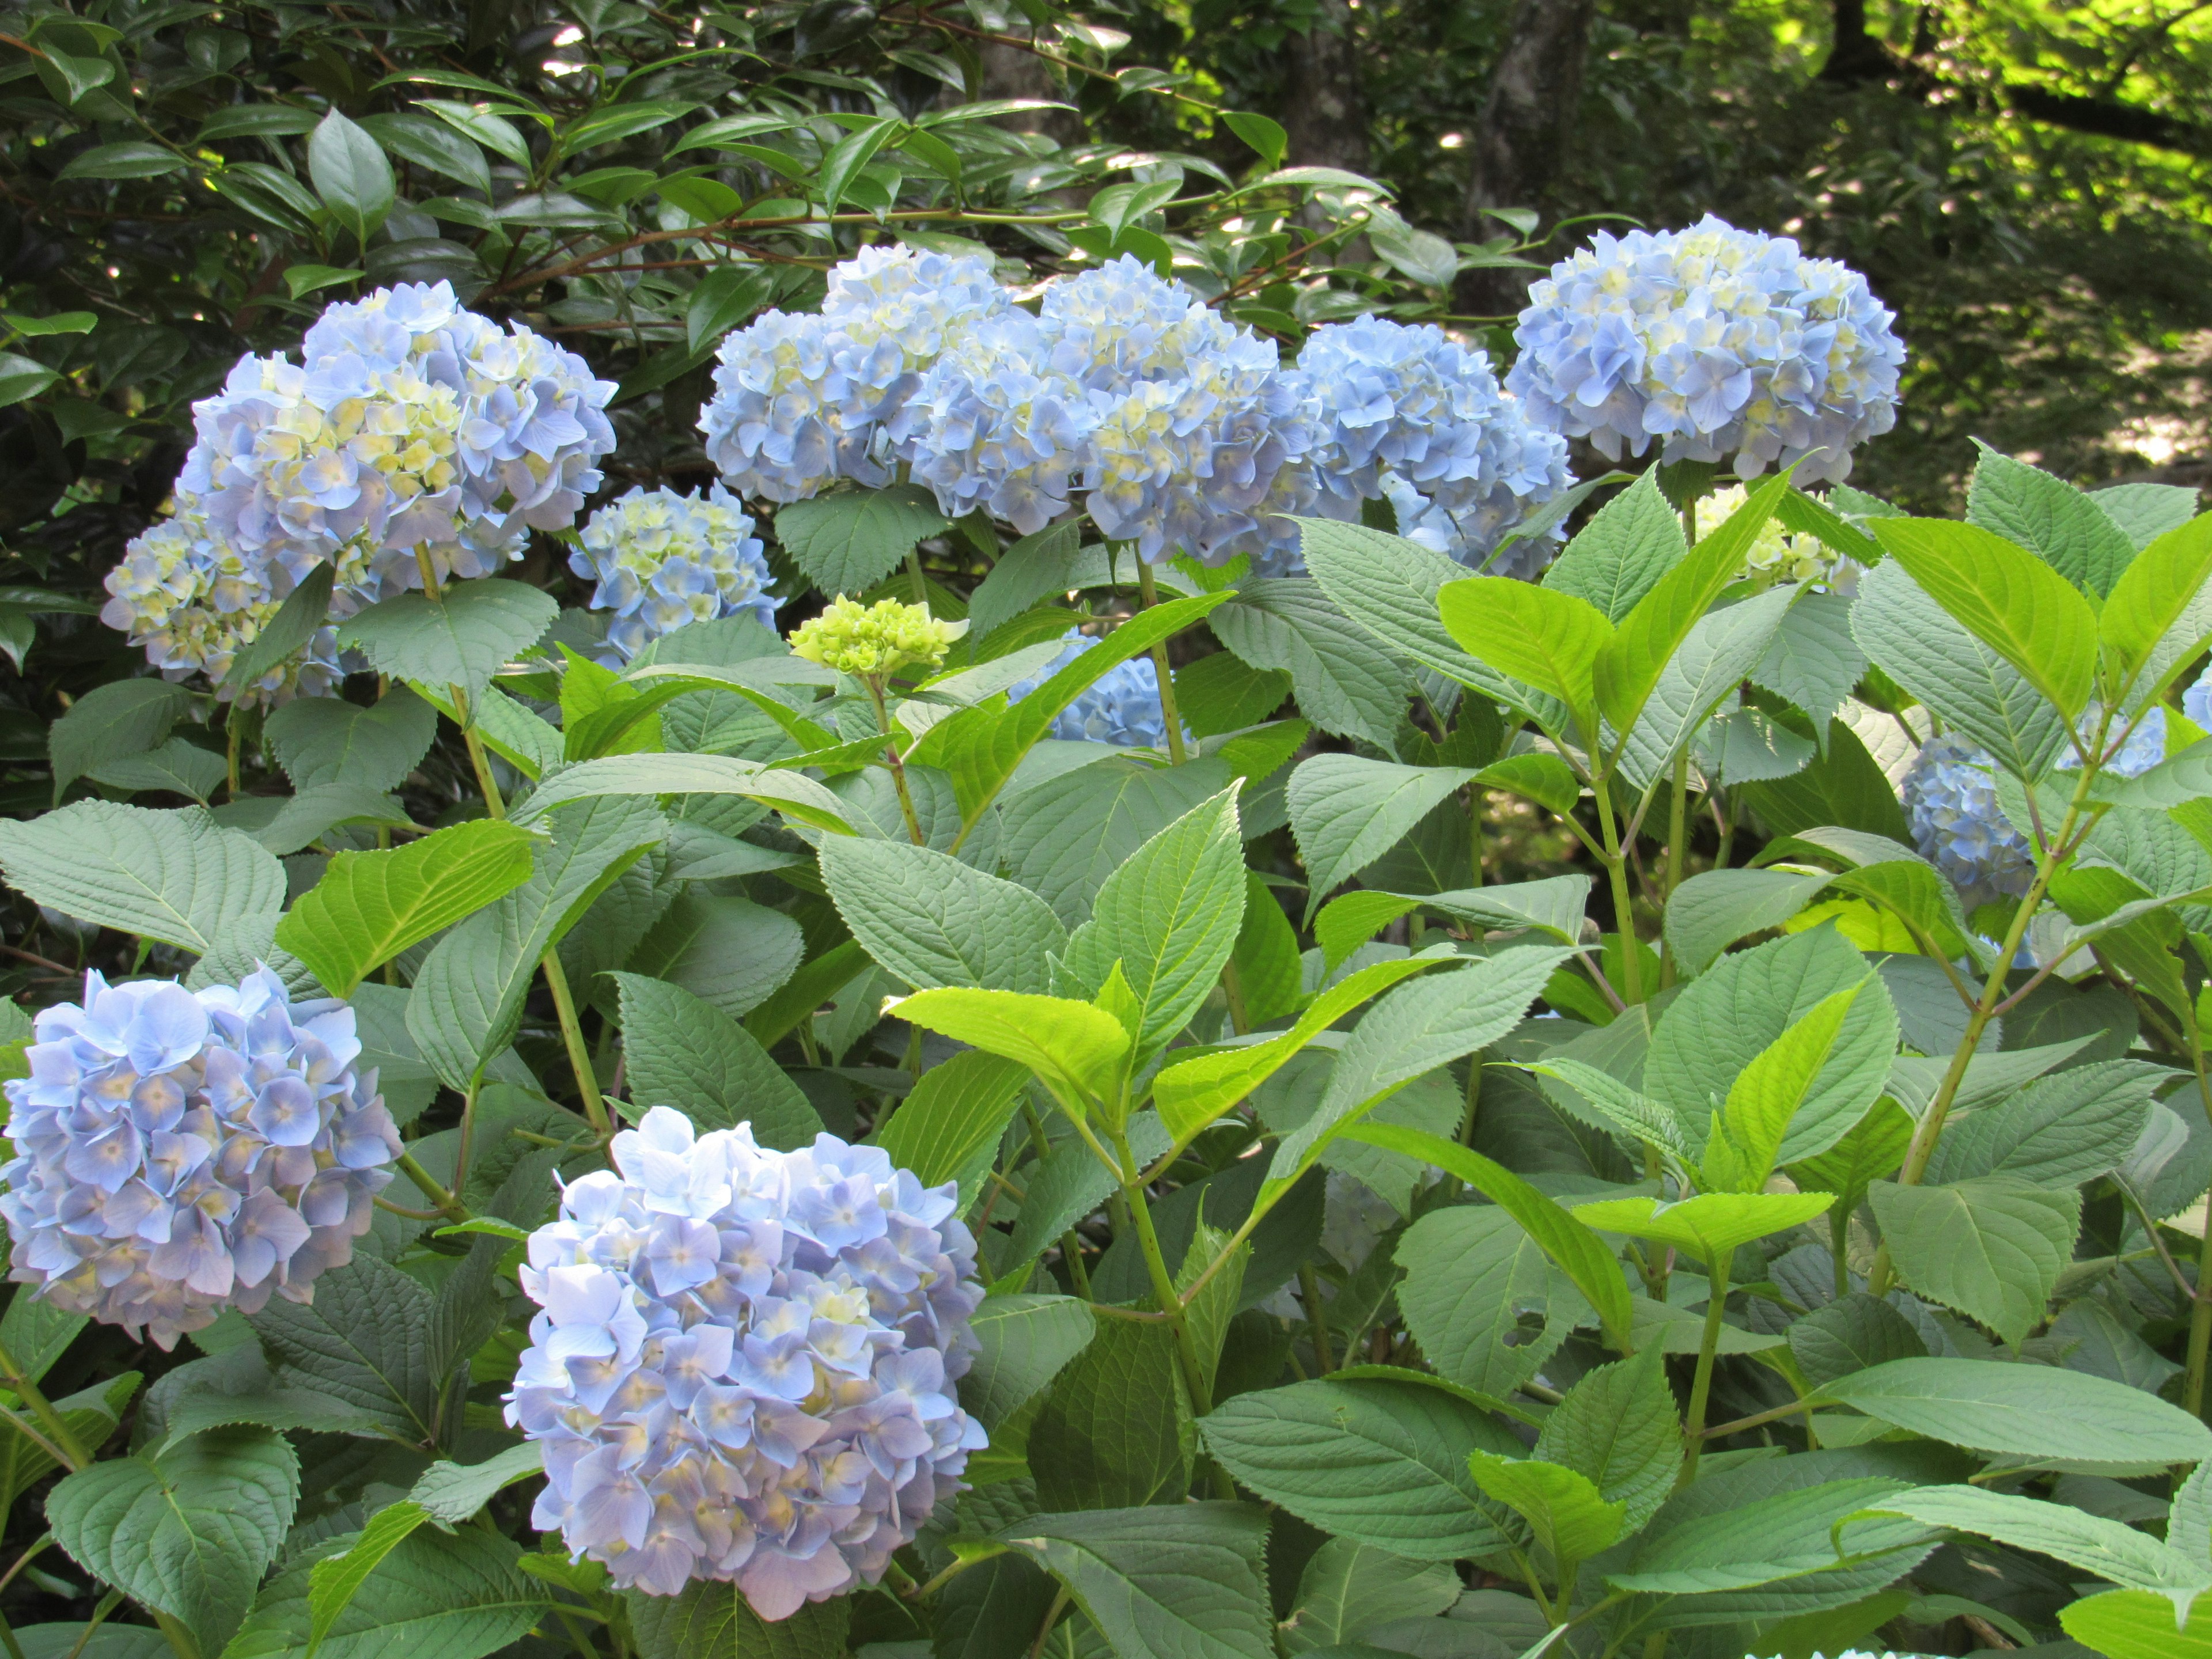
(1660, 1105)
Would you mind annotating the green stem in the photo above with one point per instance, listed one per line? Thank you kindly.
(914, 573)
(235, 736)
(1155, 1267)
(1701, 1385)
(1678, 836)
(180, 1640)
(579, 1053)
(2200, 1301)
(1475, 793)
(1232, 987)
(1624, 905)
(898, 767)
(65, 1438)
(108, 1604)
(1309, 1290)
(426, 1184)
(1151, 595)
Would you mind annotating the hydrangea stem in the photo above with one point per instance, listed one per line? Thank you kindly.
(1623, 905)
(72, 1450)
(898, 767)
(572, 1035)
(1701, 1385)
(1678, 836)
(1147, 591)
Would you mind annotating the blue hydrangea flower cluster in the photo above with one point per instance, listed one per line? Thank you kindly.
(1121, 707)
(2197, 700)
(1409, 415)
(743, 1368)
(410, 424)
(803, 400)
(662, 559)
(179, 1152)
(1951, 803)
(185, 596)
(1717, 341)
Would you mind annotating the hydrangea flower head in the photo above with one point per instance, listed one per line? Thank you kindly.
(179, 1153)
(1719, 343)
(743, 1368)
(874, 641)
(1121, 707)
(187, 596)
(1410, 414)
(411, 425)
(802, 400)
(662, 559)
(2197, 700)
(993, 426)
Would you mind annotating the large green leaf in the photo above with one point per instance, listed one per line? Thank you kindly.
(2060, 1131)
(2154, 596)
(435, 1596)
(711, 1620)
(2007, 598)
(1348, 1587)
(934, 920)
(1618, 1427)
(2068, 529)
(1115, 1430)
(1709, 1226)
(2060, 1418)
(320, 740)
(351, 176)
(1384, 1463)
(1063, 838)
(1022, 1343)
(2091, 1542)
(1992, 1247)
(1388, 587)
(1714, 908)
(1074, 1047)
(848, 540)
(1787, 1535)
(1346, 812)
(370, 907)
(1764, 1098)
(1185, 1582)
(1169, 919)
(1541, 636)
(728, 951)
(176, 877)
(1343, 683)
(793, 793)
(179, 767)
(110, 722)
(1617, 558)
(1472, 1272)
(1851, 1334)
(1714, 658)
(1567, 1519)
(364, 1340)
(460, 639)
(687, 1053)
(2131, 1624)
(188, 1533)
(949, 1127)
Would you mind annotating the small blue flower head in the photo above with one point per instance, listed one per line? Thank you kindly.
(181, 1152)
(800, 401)
(409, 424)
(2197, 700)
(1951, 802)
(993, 426)
(662, 559)
(1719, 343)
(1121, 707)
(744, 1365)
(1411, 414)
(193, 604)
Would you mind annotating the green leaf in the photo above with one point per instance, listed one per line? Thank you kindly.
(1567, 1516)
(22, 378)
(1063, 838)
(370, 907)
(1616, 558)
(1023, 1342)
(1387, 586)
(189, 1533)
(934, 920)
(2049, 1417)
(1767, 1094)
(1991, 1248)
(468, 991)
(1036, 567)
(1348, 1587)
(1618, 1427)
(126, 717)
(177, 877)
(2091, 1542)
(123, 161)
(1116, 1429)
(1075, 1048)
(1184, 1582)
(714, 1622)
(294, 624)
(2008, 598)
(1709, 1226)
(796, 796)
(843, 159)
(1381, 1463)
(307, 816)
(485, 125)
(724, 297)
(1580, 1253)
(848, 540)
(1895, 877)
(1472, 1274)
(728, 951)
(2060, 1131)
(1744, 1004)
(453, 1493)
(459, 640)
(363, 1341)
(1714, 908)
(949, 1127)
(92, 1415)
(428, 144)
(1346, 812)
(1168, 917)
(179, 767)
(435, 1596)
(2068, 530)
(1786, 1535)
(1814, 661)
(350, 175)
(1718, 654)
(2128, 1624)
(2153, 596)
(1344, 685)
(320, 740)
(684, 1053)
(1539, 635)
(1915, 641)
(1851, 1334)
(334, 1581)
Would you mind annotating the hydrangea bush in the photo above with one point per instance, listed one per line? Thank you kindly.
(1103, 972)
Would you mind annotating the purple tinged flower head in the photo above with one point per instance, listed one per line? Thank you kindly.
(1717, 341)
(803, 400)
(742, 1368)
(1121, 707)
(662, 559)
(177, 1152)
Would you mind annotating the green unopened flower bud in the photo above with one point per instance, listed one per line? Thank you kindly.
(873, 641)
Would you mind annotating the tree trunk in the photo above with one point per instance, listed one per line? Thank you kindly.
(1522, 134)
(1324, 111)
